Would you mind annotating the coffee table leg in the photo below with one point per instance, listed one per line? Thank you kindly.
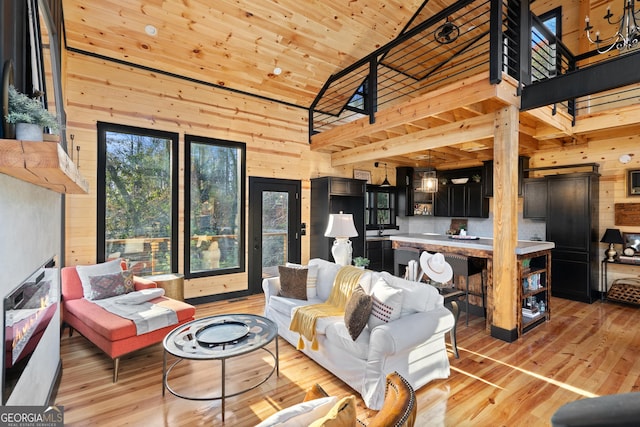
(223, 390)
(164, 371)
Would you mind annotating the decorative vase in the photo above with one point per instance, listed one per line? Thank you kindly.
(28, 132)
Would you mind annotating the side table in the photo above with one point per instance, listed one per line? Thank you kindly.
(173, 284)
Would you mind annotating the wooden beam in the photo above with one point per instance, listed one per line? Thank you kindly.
(558, 124)
(453, 133)
(503, 296)
(470, 91)
(611, 119)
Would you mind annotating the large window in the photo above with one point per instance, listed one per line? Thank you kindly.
(214, 206)
(544, 59)
(138, 197)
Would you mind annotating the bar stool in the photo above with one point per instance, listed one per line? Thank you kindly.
(462, 266)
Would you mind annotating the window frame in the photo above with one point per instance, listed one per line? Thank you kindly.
(241, 268)
(371, 207)
(103, 128)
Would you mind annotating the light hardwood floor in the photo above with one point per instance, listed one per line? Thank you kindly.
(585, 350)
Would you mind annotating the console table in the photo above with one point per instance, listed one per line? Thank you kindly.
(619, 296)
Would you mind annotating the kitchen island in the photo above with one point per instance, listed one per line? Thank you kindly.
(526, 250)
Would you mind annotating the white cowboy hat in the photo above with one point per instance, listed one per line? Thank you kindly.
(435, 267)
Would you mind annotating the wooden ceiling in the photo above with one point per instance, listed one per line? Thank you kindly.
(238, 44)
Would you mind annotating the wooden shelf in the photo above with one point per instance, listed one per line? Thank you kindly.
(41, 163)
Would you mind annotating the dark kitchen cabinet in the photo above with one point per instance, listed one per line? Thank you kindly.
(380, 254)
(487, 176)
(334, 195)
(461, 200)
(534, 204)
(411, 200)
(572, 224)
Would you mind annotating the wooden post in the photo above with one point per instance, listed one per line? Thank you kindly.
(503, 296)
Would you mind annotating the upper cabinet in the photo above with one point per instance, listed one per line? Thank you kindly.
(411, 199)
(487, 176)
(461, 194)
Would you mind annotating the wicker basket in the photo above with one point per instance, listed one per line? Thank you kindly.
(625, 290)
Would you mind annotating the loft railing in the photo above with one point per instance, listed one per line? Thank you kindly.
(467, 38)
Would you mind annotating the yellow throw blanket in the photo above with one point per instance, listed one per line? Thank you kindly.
(305, 317)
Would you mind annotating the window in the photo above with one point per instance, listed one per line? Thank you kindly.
(214, 206)
(380, 207)
(138, 198)
(544, 59)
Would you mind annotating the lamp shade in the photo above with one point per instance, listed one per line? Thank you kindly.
(612, 235)
(341, 225)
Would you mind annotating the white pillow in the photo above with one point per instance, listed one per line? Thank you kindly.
(387, 303)
(312, 278)
(302, 414)
(86, 271)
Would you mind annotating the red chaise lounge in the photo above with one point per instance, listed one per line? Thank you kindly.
(114, 335)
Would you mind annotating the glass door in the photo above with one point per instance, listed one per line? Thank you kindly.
(274, 227)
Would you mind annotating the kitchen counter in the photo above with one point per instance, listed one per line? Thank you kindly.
(482, 244)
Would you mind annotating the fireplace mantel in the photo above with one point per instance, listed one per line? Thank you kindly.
(41, 163)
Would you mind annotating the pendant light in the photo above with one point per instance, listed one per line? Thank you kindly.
(429, 181)
(386, 182)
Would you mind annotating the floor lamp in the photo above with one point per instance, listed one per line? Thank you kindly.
(341, 227)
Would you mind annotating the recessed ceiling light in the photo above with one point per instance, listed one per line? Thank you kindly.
(277, 71)
(151, 30)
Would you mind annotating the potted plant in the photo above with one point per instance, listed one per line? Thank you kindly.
(29, 116)
(361, 262)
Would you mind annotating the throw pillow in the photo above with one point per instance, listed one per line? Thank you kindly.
(387, 302)
(301, 414)
(357, 312)
(293, 282)
(312, 277)
(110, 285)
(343, 414)
(86, 271)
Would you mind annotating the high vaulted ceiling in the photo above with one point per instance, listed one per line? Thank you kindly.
(239, 43)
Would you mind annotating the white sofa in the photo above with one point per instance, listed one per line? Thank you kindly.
(413, 345)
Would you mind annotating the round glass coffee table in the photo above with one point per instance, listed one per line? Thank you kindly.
(219, 338)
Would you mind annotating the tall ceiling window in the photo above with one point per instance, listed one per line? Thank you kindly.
(138, 198)
(214, 206)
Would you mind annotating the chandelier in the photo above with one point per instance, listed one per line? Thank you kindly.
(626, 37)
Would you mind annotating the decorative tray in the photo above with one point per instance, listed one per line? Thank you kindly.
(221, 333)
(457, 237)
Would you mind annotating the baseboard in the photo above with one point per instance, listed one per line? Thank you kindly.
(508, 335)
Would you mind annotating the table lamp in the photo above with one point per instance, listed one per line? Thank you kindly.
(611, 236)
(341, 227)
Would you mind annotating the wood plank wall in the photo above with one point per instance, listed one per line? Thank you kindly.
(276, 137)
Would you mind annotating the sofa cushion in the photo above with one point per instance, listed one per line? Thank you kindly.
(417, 296)
(338, 335)
(357, 312)
(312, 277)
(327, 272)
(387, 303)
(110, 285)
(113, 327)
(286, 306)
(86, 271)
(293, 282)
(302, 414)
